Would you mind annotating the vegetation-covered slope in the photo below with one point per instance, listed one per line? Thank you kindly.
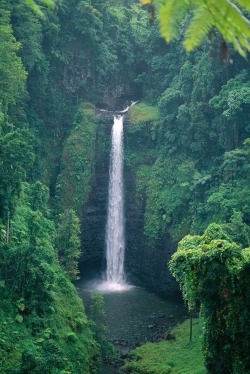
(50, 66)
(191, 170)
(179, 355)
(44, 328)
(196, 151)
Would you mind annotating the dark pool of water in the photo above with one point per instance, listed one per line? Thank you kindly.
(135, 315)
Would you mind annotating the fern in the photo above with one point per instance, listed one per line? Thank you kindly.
(199, 27)
(231, 23)
(245, 4)
(171, 13)
(224, 15)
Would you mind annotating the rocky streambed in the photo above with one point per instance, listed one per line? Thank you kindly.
(156, 328)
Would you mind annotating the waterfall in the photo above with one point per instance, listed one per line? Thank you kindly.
(115, 241)
(114, 279)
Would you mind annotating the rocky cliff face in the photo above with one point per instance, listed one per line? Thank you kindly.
(95, 210)
(145, 259)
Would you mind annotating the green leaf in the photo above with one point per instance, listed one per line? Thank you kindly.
(36, 8)
(39, 340)
(245, 4)
(19, 318)
(224, 15)
(170, 15)
(198, 28)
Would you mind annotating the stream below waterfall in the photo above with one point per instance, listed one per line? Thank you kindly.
(135, 315)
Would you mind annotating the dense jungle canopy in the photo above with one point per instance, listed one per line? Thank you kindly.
(187, 150)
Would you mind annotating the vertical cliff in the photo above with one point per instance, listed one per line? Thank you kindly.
(148, 248)
(94, 210)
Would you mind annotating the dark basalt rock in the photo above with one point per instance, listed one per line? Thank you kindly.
(147, 260)
(108, 116)
(94, 212)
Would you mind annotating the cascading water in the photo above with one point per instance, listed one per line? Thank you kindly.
(114, 279)
(115, 241)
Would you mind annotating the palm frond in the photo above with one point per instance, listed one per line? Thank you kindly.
(171, 13)
(245, 4)
(233, 26)
(199, 26)
(224, 15)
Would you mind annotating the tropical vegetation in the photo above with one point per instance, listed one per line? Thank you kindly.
(186, 147)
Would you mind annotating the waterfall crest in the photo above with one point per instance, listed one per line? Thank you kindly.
(115, 240)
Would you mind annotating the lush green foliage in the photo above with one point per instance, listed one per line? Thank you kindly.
(141, 113)
(15, 144)
(98, 325)
(213, 269)
(188, 148)
(174, 356)
(50, 67)
(67, 242)
(77, 162)
(227, 18)
(12, 72)
(191, 163)
(191, 169)
(35, 6)
(44, 328)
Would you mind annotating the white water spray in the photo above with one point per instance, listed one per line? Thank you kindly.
(115, 241)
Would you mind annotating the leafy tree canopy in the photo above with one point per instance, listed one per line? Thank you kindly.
(213, 269)
(68, 242)
(34, 4)
(12, 73)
